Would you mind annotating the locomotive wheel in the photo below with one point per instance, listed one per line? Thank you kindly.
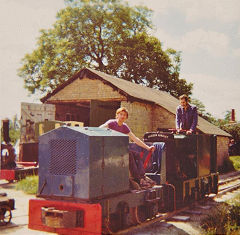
(141, 214)
(5, 215)
(128, 218)
(112, 225)
(127, 215)
(133, 214)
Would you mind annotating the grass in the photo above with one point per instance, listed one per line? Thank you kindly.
(224, 219)
(236, 162)
(29, 185)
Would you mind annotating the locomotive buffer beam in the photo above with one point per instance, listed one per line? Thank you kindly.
(56, 218)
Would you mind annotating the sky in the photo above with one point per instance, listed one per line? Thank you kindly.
(207, 32)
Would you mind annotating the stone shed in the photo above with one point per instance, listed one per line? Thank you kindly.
(92, 97)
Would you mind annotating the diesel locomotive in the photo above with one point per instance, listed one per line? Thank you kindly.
(84, 178)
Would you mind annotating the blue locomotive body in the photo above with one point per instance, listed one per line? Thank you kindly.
(83, 163)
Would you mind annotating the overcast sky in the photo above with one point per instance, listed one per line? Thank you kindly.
(206, 31)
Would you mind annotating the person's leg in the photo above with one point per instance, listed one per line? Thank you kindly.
(133, 168)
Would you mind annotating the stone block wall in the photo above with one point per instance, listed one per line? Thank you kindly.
(146, 117)
(140, 117)
(222, 149)
(162, 118)
(86, 89)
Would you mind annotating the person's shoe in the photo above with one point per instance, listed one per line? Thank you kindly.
(144, 184)
(134, 185)
(150, 181)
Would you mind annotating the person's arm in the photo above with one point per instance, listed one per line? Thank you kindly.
(195, 119)
(178, 118)
(136, 140)
(104, 125)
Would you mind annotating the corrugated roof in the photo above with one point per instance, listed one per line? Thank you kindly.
(139, 92)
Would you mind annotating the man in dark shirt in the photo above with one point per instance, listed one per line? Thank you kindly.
(186, 116)
(186, 119)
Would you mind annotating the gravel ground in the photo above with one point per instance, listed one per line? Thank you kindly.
(19, 221)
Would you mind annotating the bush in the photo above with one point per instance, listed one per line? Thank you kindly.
(29, 185)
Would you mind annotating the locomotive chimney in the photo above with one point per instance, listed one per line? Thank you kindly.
(5, 126)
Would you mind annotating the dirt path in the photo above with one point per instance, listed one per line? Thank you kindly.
(19, 222)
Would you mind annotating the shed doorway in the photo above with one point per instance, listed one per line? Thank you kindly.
(101, 111)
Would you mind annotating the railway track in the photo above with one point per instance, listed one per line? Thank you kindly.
(225, 186)
(229, 184)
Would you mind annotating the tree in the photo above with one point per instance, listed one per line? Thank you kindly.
(106, 35)
(14, 129)
(234, 130)
(202, 111)
(231, 128)
(200, 106)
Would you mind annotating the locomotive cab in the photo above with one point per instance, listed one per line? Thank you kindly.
(190, 163)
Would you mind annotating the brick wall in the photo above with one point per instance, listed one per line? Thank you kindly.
(86, 89)
(222, 149)
(140, 117)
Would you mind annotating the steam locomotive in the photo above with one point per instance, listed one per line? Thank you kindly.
(10, 169)
(84, 178)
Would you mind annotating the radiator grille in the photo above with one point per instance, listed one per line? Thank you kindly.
(63, 157)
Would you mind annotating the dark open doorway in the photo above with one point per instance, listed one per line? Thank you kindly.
(91, 113)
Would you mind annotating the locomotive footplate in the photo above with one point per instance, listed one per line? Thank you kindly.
(18, 173)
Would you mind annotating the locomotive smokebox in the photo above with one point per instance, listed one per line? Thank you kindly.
(83, 163)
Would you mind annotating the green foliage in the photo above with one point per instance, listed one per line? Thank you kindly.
(202, 111)
(14, 130)
(233, 129)
(29, 185)
(200, 106)
(215, 222)
(236, 162)
(107, 35)
(224, 219)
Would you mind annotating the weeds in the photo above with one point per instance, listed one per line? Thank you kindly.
(225, 218)
(29, 185)
(236, 162)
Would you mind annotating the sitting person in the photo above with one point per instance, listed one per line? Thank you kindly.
(137, 172)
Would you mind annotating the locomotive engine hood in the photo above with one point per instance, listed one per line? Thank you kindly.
(83, 163)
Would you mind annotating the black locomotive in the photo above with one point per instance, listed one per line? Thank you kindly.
(84, 179)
